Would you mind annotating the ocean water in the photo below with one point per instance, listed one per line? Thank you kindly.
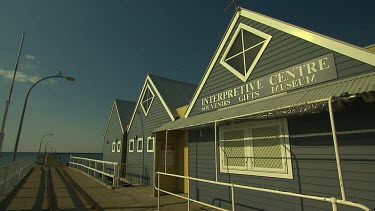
(6, 157)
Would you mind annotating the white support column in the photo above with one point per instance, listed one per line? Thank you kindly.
(96, 168)
(215, 151)
(335, 144)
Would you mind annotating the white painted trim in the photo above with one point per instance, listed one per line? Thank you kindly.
(212, 63)
(161, 98)
(344, 48)
(140, 140)
(347, 49)
(264, 43)
(152, 100)
(285, 173)
(148, 144)
(118, 146)
(136, 107)
(347, 132)
(113, 146)
(119, 119)
(110, 115)
(131, 143)
(148, 79)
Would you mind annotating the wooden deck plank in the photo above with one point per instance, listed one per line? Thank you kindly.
(31, 196)
(128, 198)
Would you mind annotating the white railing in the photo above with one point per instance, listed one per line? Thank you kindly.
(331, 200)
(13, 173)
(97, 168)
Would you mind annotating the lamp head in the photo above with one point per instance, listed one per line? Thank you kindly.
(70, 78)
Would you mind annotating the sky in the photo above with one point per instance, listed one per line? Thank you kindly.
(110, 46)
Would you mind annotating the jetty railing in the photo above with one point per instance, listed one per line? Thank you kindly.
(232, 186)
(13, 173)
(98, 169)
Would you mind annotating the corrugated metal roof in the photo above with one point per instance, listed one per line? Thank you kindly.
(175, 93)
(352, 85)
(125, 110)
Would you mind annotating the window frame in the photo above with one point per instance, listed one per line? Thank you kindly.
(142, 101)
(139, 140)
(118, 146)
(131, 145)
(148, 144)
(113, 146)
(250, 169)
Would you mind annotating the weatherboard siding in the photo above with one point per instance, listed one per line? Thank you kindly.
(156, 117)
(313, 161)
(283, 51)
(113, 133)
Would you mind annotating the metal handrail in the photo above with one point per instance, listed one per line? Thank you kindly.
(86, 164)
(331, 200)
(14, 173)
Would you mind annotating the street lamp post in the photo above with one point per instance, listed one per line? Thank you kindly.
(7, 103)
(24, 109)
(45, 152)
(45, 146)
(41, 140)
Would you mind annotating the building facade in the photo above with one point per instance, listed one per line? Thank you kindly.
(280, 108)
(158, 104)
(115, 133)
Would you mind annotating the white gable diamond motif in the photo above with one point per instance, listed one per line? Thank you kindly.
(244, 51)
(147, 98)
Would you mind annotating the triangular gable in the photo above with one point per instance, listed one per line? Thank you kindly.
(125, 107)
(114, 108)
(149, 83)
(340, 47)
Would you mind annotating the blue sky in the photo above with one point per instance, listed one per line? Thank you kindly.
(110, 46)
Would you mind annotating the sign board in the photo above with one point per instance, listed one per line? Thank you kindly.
(298, 76)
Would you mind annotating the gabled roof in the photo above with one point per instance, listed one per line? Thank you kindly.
(124, 109)
(341, 47)
(172, 94)
(175, 93)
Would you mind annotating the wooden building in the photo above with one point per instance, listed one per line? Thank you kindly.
(115, 133)
(279, 108)
(159, 102)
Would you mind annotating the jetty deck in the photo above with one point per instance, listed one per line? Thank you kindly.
(57, 187)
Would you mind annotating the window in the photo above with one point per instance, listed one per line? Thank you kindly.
(150, 144)
(131, 145)
(114, 146)
(139, 144)
(244, 51)
(147, 98)
(256, 148)
(119, 146)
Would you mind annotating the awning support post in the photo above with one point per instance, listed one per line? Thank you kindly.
(337, 154)
(215, 151)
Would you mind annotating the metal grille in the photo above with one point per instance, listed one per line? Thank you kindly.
(234, 148)
(267, 147)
